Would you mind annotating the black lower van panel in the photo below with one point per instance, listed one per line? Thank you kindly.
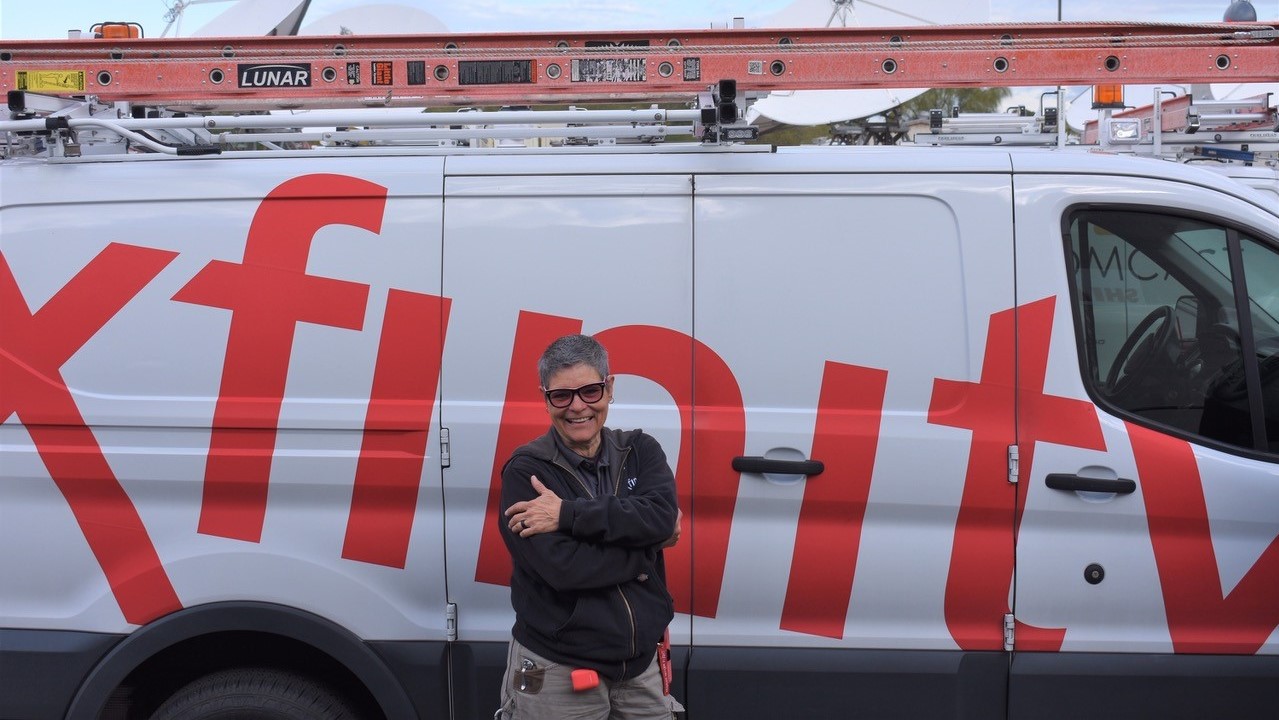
(732, 683)
(476, 672)
(40, 670)
(1097, 686)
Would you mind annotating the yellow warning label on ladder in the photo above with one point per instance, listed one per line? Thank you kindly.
(51, 81)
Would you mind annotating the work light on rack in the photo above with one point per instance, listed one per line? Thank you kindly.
(722, 109)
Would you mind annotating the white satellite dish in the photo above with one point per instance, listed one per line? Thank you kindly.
(376, 19)
(817, 107)
(248, 18)
(1239, 91)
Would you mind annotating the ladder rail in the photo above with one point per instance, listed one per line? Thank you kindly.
(389, 70)
(990, 35)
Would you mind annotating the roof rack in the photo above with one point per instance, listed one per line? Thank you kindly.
(1184, 127)
(1244, 130)
(76, 128)
(1006, 128)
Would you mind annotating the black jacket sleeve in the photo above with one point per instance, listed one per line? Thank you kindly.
(643, 517)
(565, 562)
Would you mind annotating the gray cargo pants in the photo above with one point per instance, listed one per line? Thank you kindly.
(544, 691)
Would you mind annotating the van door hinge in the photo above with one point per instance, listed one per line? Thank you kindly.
(446, 456)
(1014, 463)
(450, 621)
(1010, 631)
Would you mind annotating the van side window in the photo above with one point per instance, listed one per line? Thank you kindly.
(1156, 303)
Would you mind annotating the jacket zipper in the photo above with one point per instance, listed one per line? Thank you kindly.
(617, 488)
(630, 613)
(621, 466)
(573, 475)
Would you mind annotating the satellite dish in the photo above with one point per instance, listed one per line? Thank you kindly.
(376, 19)
(248, 18)
(818, 107)
(1239, 91)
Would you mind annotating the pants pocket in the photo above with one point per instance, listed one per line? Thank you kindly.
(528, 677)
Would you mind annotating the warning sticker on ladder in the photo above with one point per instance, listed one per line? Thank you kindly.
(609, 70)
(692, 68)
(51, 81)
(495, 72)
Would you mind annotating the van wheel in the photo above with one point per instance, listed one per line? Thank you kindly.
(254, 694)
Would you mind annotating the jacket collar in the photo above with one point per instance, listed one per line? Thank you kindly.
(614, 446)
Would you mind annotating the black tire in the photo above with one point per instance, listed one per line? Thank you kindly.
(254, 694)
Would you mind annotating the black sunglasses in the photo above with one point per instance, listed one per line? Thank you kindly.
(563, 397)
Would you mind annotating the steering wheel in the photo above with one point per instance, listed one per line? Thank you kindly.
(1139, 350)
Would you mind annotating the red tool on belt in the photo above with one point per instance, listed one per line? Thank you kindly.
(584, 679)
(664, 661)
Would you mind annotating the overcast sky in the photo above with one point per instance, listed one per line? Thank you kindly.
(23, 19)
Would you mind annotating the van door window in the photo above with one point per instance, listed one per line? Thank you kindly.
(1156, 300)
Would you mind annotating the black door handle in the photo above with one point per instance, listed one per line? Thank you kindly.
(757, 464)
(1062, 481)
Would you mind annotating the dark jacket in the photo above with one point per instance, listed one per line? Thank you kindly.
(593, 594)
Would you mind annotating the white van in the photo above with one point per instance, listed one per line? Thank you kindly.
(962, 433)
(1263, 178)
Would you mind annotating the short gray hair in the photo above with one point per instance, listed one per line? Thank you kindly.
(569, 351)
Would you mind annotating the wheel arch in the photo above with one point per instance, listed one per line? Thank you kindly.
(266, 623)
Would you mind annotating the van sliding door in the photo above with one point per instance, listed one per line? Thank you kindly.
(532, 251)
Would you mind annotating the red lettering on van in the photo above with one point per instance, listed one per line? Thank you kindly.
(712, 418)
(268, 294)
(393, 452)
(981, 562)
(523, 418)
(845, 437)
(1045, 418)
(981, 559)
(33, 349)
(1202, 617)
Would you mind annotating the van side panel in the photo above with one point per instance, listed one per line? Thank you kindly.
(222, 392)
(861, 314)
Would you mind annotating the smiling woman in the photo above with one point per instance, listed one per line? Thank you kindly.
(578, 389)
(589, 578)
